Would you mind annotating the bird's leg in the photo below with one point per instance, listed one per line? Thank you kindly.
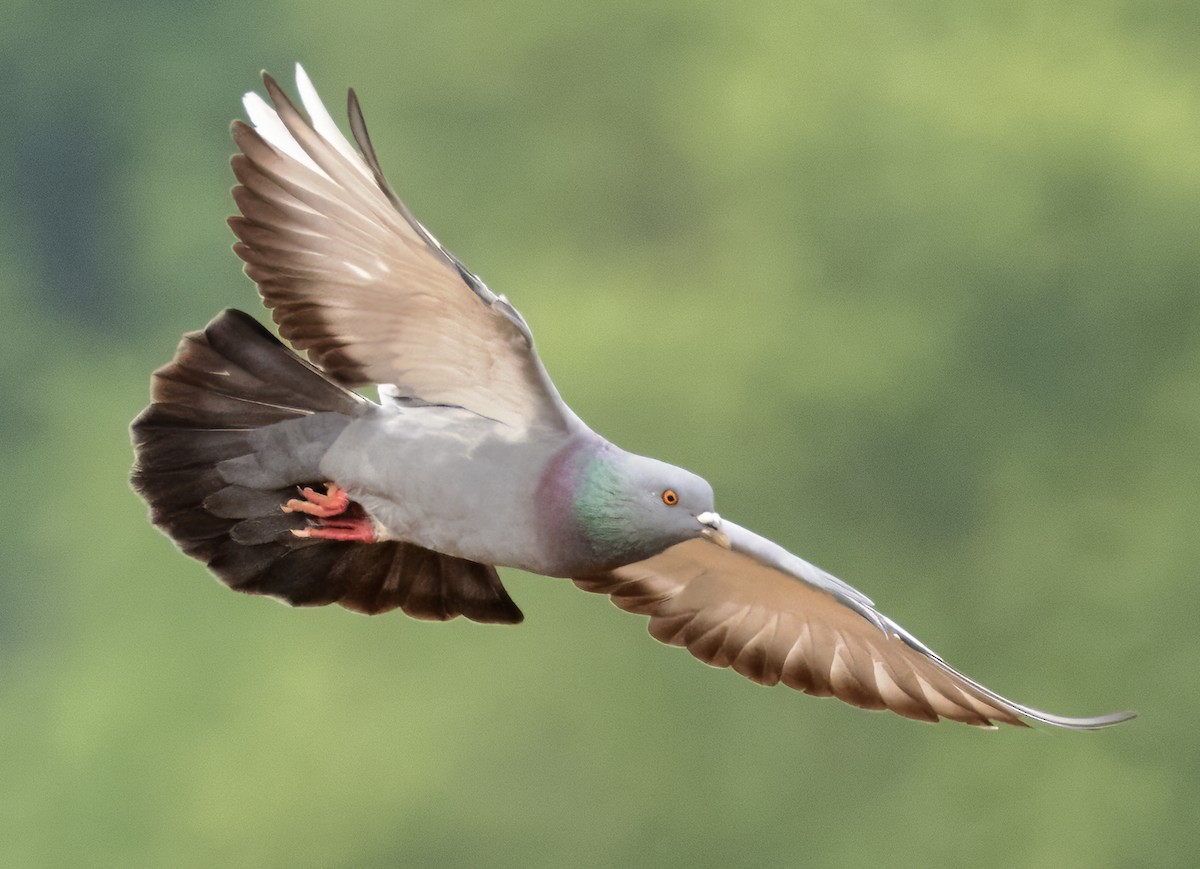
(333, 503)
(335, 516)
(360, 530)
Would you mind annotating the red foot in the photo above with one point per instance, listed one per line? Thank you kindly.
(335, 516)
(358, 530)
(332, 503)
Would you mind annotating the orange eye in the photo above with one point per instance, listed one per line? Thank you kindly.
(670, 498)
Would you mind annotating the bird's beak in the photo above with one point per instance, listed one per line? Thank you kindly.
(712, 530)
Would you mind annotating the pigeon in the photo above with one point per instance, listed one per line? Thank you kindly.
(287, 482)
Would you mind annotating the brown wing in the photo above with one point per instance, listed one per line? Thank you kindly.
(733, 609)
(356, 281)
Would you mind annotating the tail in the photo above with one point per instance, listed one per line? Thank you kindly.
(234, 394)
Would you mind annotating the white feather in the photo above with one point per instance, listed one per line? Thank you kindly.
(324, 124)
(272, 129)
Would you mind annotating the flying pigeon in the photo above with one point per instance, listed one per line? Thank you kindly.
(286, 482)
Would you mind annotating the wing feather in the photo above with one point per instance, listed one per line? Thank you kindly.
(775, 618)
(355, 280)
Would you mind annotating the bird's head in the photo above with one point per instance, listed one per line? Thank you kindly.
(630, 507)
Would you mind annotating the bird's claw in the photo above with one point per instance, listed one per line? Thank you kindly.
(333, 503)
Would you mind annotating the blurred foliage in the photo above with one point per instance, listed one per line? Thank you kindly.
(915, 286)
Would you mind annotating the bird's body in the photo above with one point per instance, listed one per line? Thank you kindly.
(420, 448)
(471, 460)
(547, 501)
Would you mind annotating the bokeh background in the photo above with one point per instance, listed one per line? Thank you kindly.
(915, 286)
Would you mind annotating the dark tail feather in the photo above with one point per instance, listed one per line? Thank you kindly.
(209, 405)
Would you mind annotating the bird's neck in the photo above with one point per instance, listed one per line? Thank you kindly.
(582, 503)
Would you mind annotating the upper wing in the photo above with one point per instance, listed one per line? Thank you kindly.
(353, 278)
(776, 618)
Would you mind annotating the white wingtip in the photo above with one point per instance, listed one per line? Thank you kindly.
(323, 122)
(267, 123)
(1096, 723)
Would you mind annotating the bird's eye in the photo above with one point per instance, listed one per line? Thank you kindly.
(670, 498)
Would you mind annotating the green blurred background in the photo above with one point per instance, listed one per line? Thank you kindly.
(913, 285)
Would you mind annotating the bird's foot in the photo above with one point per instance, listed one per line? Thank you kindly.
(333, 503)
(334, 516)
(358, 530)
